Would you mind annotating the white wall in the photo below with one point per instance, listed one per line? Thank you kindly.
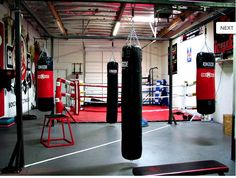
(95, 59)
(187, 72)
(152, 58)
(67, 52)
(224, 89)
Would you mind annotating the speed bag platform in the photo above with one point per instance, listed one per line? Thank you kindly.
(131, 143)
(205, 83)
(112, 92)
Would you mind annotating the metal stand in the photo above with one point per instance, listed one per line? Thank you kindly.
(17, 156)
(150, 77)
(59, 141)
(171, 116)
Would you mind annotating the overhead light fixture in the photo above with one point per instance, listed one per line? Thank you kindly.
(116, 28)
(139, 18)
(60, 27)
(57, 17)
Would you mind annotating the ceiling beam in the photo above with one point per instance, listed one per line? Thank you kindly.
(109, 37)
(209, 18)
(174, 23)
(120, 12)
(57, 17)
(119, 15)
(192, 3)
(34, 16)
(213, 4)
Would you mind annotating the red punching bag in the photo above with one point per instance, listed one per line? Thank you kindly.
(205, 83)
(45, 83)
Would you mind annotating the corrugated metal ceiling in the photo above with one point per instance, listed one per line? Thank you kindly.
(85, 19)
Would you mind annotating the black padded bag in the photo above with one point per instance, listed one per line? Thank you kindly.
(131, 144)
(112, 92)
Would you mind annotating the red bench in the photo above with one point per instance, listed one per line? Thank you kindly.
(187, 168)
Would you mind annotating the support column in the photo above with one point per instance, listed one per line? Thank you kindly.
(234, 106)
(16, 162)
(171, 116)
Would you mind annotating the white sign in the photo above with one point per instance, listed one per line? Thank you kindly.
(226, 27)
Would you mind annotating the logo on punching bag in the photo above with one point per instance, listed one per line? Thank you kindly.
(125, 64)
(113, 71)
(208, 75)
(42, 66)
(43, 76)
(208, 64)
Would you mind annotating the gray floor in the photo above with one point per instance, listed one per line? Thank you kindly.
(97, 149)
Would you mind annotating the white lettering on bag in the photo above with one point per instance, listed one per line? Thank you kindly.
(208, 64)
(125, 64)
(43, 76)
(208, 75)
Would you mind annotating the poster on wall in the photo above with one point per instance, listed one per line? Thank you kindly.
(174, 59)
(189, 54)
(28, 62)
(223, 43)
(9, 62)
(192, 34)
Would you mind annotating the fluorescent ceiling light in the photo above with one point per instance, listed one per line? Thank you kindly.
(116, 28)
(60, 26)
(139, 18)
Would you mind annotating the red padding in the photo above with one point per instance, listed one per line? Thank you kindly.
(45, 83)
(205, 86)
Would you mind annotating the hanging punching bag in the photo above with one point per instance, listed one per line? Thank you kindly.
(131, 144)
(205, 83)
(45, 83)
(112, 92)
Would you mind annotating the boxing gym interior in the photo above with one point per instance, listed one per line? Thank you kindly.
(117, 87)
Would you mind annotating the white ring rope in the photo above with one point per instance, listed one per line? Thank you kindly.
(101, 92)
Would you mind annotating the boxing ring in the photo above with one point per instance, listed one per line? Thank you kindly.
(87, 102)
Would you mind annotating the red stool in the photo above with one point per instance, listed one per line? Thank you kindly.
(62, 141)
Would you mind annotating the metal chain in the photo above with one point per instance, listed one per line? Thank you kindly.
(205, 43)
(112, 58)
(132, 37)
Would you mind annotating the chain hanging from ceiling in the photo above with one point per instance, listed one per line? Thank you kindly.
(132, 37)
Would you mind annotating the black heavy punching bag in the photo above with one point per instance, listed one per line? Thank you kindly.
(112, 92)
(131, 145)
(205, 83)
(45, 83)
